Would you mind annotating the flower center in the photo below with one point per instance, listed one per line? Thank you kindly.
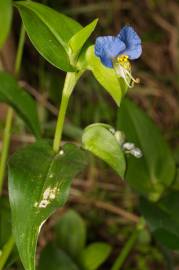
(123, 60)
(122, 67)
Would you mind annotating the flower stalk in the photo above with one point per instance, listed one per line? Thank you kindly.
(6, 143)
(6, 252)
(128, 246)
(70, 82)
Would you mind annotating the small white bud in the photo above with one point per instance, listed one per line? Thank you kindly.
(120, 137)
(61, 152)
(112, 130)
(128, 146)
(136, 152)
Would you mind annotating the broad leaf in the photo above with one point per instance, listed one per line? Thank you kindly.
(94, 255)
(154, 172)
(163, 218)
(99, 140)
(53, 259)
(72, 243)
(5, 19)
(20, 100)
(78, 40)
(39, 183)
(53, 33)
(107, 77)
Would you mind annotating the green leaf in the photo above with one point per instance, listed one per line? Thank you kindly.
(20, 100)
(39, 183)
(154, 172)
(163, 218)
(107, 77)
(78, 40)
(72, 243)
(53, 259)
(175, 184)
(99, 140)
(5, 19)
(94, 255)
(53, 33)
(5, 221)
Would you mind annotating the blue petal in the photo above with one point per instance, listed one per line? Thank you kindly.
(107, 48)
(132, 42)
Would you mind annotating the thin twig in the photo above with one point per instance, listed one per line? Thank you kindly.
(39, 97)
(76, 196)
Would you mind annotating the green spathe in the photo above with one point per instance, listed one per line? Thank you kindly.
(99, 140)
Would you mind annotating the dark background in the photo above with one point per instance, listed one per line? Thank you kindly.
(157, 22)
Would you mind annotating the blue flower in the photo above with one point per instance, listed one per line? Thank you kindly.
(132, 42)
(107, 48)
(116, 51)
(127, 42)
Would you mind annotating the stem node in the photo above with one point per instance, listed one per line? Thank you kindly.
(70, 82)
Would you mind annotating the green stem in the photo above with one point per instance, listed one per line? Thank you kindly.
(128, 246)
(6, 252)
(19, 51)
(70, 82)
(6, 142)
(9, 118)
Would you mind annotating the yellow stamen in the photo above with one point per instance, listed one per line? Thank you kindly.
(135, 80)
(122, 58)
(123, 69)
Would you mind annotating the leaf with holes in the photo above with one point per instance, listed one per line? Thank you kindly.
(39, 183)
